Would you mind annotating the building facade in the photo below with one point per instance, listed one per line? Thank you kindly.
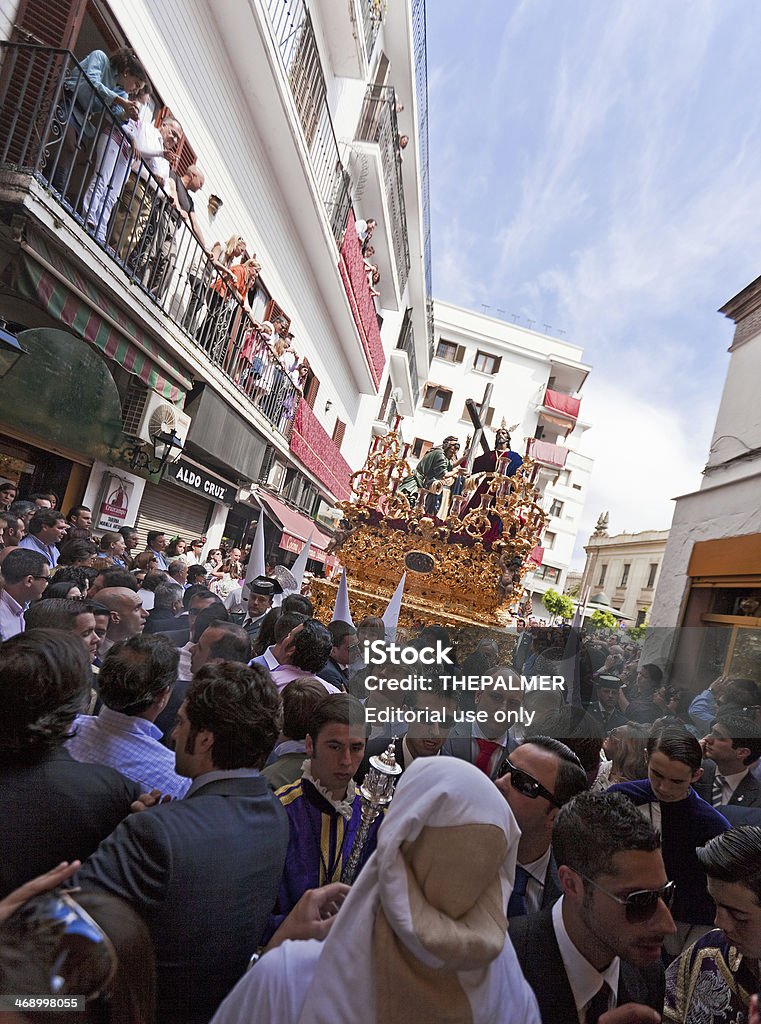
(293, 112)
(708, 601)
(622, 571)
(533, 381)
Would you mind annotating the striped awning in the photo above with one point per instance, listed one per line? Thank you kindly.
(96, 318)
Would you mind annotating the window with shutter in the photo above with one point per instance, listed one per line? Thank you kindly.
(184, 157)
(310, 390)
(437, 398)
(487, 419)
(273, 310)
(450, 351)
(30, 82)
(338, 433)
(386, 400)
(485, 362)
(49, 22)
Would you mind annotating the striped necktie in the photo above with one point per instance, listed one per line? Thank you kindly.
(717, 790)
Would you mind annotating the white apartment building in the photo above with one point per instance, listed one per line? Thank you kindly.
(622, 571)
(294, 110)
(708, 601)
(535, 381)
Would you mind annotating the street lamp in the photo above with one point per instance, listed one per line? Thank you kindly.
(167, 447)
(10, 350)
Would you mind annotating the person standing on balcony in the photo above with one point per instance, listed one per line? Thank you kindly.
(98, 82)
(114, 151)
(203, 279)
(164, 252)
(155, 147)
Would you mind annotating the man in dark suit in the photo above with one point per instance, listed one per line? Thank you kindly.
(203, 872)
(484, 744)
(732, 747)
(342, 653)
(605, 708)
(599, 946)
(55, 808)
(434, 709)
(540, 776)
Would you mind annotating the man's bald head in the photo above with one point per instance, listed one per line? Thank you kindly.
(127, 613)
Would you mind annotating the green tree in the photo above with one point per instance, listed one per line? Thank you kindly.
(603, 620)
(558, 605)
(637, 633)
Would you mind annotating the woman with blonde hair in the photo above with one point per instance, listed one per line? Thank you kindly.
(625, 749)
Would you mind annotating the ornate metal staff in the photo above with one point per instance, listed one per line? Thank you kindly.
(375, 793)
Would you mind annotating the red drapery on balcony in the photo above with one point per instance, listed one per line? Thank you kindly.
(316, 449)
(562, 403)
(536, 555)
(352, 267)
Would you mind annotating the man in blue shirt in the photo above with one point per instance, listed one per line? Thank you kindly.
(46, 529)
(135, 683)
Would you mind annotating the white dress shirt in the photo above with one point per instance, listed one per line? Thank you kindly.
(11, 616)
(584, 979)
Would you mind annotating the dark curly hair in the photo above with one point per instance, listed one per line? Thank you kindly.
(240, 705)
(298, 603)
(44, 685)
(311, 646)
(74, 575)
(136, 671)
(593, 827)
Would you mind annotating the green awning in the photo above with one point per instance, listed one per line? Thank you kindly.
(128, 345)
(61, 391)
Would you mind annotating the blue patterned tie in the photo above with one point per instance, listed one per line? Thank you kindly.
(517, 904)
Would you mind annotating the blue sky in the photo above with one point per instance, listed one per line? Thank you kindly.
(596, 166)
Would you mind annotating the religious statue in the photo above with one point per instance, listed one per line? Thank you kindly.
(434, 466)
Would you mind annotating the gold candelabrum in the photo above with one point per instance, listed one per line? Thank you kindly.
(464, 565)
(374, 794)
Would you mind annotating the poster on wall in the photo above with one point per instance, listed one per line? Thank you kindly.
(114, 503)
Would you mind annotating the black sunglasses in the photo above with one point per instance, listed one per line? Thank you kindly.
(642, 904)
(526, 784)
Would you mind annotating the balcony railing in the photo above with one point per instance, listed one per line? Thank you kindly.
(294, 36)
(421, 88)
(372, 19)
(547, 454)
(54, 127)
(378, 124)
(406, 344)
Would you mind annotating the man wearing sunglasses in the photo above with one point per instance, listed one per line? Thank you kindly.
(599, 947)
(539, 777)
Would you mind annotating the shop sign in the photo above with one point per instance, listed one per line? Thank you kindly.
(114, 504)
(197, 480)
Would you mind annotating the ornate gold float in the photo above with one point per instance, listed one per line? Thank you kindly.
(464, 565)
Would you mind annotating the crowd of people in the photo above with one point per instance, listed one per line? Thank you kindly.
(182, 769)
(115, 166)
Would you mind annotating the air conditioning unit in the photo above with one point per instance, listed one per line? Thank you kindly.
(276, 476)
(159, 415)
